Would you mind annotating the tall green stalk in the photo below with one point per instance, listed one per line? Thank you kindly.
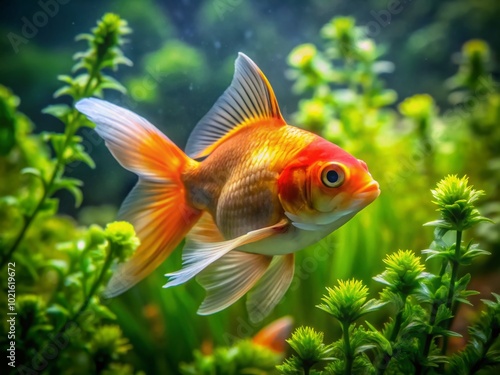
(48, 187)
(104, 51)
(455, 200)
(349, 358)
(451, 291)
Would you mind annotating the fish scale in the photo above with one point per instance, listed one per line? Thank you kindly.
(233, 179)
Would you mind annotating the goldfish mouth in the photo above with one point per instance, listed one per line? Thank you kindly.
(365, 195)
(370, 190)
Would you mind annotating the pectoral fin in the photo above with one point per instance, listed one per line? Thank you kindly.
(198, 255)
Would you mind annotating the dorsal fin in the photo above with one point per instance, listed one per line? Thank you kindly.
(249, 99)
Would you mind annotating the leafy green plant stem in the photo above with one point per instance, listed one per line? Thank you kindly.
(432, 321)
(93, 289)
(384, 361)
(97, 283)
(349, 358)
(451, 290)
(397, 324)
(58, 169)
(454, 270)
(27, 223)
(489, 343)
(47, 188)
(419, 369)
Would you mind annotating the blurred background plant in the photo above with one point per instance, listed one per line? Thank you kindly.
(413, 117)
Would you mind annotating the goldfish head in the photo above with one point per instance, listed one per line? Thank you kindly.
(325, 186)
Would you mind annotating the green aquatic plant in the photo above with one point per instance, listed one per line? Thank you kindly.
(59, 269)
(310, 349)
(103, 52)
(347, 301)
(348, 355)
(244, 357)
(348, 95)
(402, 277)
(456, 203)
(108, 345)
(425, 304)
(455, 200)
(481, 351)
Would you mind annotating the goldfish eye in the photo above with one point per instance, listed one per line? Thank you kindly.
(333, 175)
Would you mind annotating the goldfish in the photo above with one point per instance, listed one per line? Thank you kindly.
(248, 192)
(273, 337)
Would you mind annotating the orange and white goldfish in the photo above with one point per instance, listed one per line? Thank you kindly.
(263, 191)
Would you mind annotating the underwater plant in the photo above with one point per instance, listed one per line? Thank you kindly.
(57, 269)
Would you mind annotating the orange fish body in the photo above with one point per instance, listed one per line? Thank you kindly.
(238, 185)
(264, 191)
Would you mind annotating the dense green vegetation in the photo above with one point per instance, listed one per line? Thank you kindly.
(417, 99)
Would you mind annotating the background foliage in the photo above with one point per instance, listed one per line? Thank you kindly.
(414, 93)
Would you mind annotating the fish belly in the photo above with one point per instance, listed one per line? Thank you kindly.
(290, 241)
(293, 239)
